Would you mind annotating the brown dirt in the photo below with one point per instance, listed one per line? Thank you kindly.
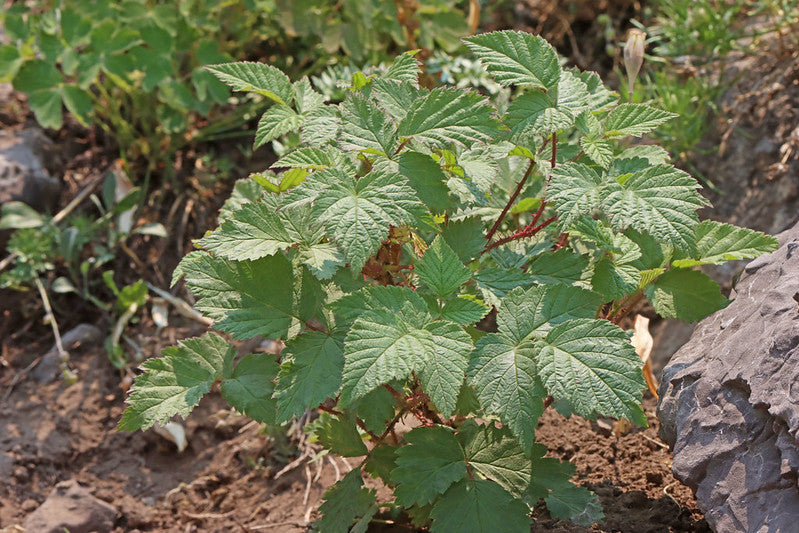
(225, 479)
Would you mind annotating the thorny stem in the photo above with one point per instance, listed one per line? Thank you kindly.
(529, 231)
(519, 187)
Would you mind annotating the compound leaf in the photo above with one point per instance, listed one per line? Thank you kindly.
(253, 232)
(444, 368)
(479, 506)
(504, 376)
(365, 127)
(592, 364)
(463, 310)
(345, 503)
(574, 190)
(310, 372)
(278, 120)
(174, 383)
(405, 67)
(339, 434)
(431, 461)
(517, 58)
(717, 243)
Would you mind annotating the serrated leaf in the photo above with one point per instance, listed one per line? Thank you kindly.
(308, 158)
(465, 237)
(238, 297)
(445, 366)
(405, 67)
(574, 190)
(306, 98)
(479, 506)
(635, 119)
(659, 200)
(431, 461)
(249, 389)
(381, 346)
(376, 409)
(534, 114)
(717, 243)
(496, 283)
(576, 504)
(395, 97)
(600, 151)
(504, 376)
(339, 434)
(245, 191)
(688, 295)
(391, 298)
(278, 120)
(345, 502)
(562, 266)
(253, 232)
(322, 259)
(446, 116)
(463, 310)
(259, 78)
(174, 383)
(320, 127)
(517, 58)
(425, 177)
(381, 461)
(533, 312)
(592, 364)
(365, 127)
(310, 372)
(357, 215)
(441, 270)
(497, 455)
(614, 280)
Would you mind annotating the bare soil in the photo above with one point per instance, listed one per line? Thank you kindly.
(226, 480)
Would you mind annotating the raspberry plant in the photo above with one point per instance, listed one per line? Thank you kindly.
(427, 257)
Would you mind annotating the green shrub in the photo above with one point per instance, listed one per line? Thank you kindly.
(381, 247)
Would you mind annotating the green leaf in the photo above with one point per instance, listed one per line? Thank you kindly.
(18, 215)
(308, 158)
(310, 373)
(263, 79)
(592, 364)
(405, 67)
(717, 243)
(381, 346)
(659, 200)
(497, 455)
(376, 409)
(517, 58)
(36, 75)
(634, 119)
(446, 116)
(339, 435)
(533, 312)
(576, 504)
(357, 215)
(10, 61)
(444, 369)
(306, 98)
(245, 191)
(479, 506)
(381, 461)
(562, 266)
(46, 105)
(463, 310)
(465, 237)
(574, 190)
(685, 294)
(496, 283)
(425, 176)
(254, 231)
(322, 259)
(390, 298)
(277, 121)
(320, 126)
(249, 389)
(174, 383)
(345, 502)
(441, 270)
(236, 296)
(504, 376)
(394, 97)
(534, 114)
(365, 127)
(78, 102)
(613, 280)
(431, 461)
(600, 151)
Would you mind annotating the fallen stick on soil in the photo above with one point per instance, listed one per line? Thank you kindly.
(181, 306)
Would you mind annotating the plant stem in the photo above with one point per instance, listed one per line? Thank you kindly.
(511, 200)
(50, 317)
(554, 150)
(529, 231)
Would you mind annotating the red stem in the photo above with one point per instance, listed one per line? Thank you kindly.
(529, 231)
(519, 187)
(554, 149)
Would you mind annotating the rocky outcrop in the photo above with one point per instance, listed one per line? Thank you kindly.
(70, 507)
(729, 401)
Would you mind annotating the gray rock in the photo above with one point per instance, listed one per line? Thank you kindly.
(729, 401)
(70, 507)
(23, 176)
(49, 368)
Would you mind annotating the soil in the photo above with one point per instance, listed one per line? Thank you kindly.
(226, 479)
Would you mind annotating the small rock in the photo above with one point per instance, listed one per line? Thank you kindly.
(29, 505)
(70, 507)
(49, 368)
(23, 176)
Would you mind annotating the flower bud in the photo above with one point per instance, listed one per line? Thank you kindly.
(634, 56)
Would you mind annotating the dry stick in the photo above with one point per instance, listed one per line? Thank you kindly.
(61, 215)
(62, 353)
